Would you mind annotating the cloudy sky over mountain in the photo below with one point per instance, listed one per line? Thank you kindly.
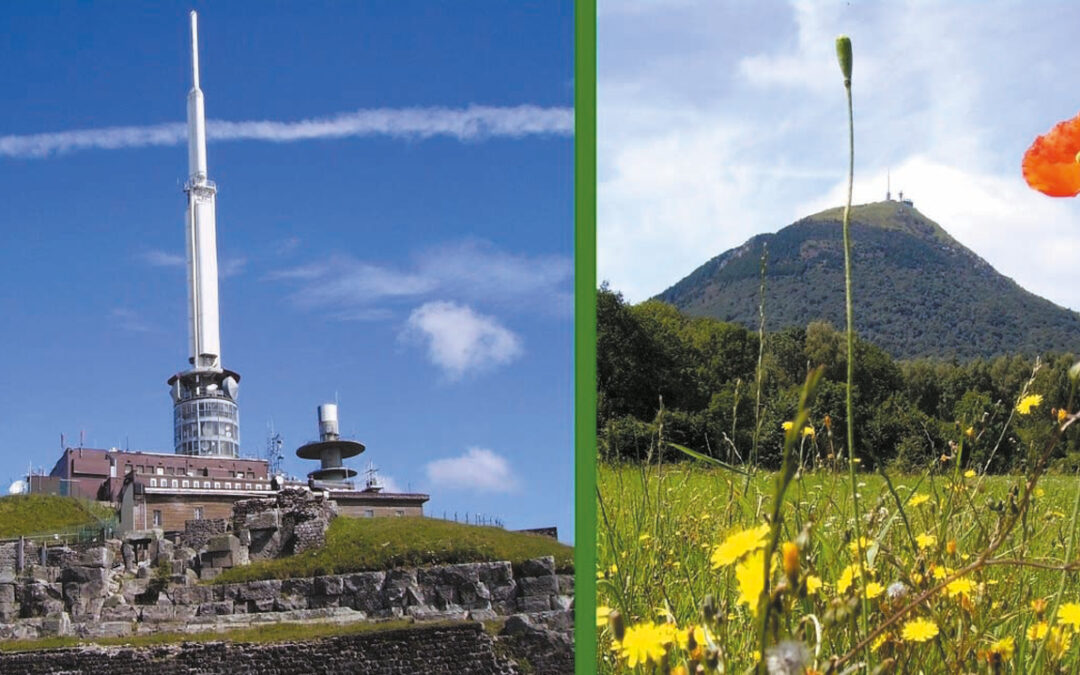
(720, 120)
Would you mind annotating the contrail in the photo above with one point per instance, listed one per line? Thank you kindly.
(464, 124)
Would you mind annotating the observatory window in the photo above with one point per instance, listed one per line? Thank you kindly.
(206, 484)
(198, 513)
(239, 474)
(171, 470)
(217, 485)
(160, 471)
(175, 483)
(139, 469)
(186, 484)
(153, 482)
(157, 518)
(228, 486)
(247, 486)
(369, 513)
(399, 512)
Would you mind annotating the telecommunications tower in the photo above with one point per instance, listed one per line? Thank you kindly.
(205, 416)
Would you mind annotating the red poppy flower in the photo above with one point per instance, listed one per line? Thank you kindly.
(1050, 164)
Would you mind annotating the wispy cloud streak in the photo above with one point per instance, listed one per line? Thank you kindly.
(464, 124)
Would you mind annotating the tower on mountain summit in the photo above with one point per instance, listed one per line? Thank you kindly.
(205, 414)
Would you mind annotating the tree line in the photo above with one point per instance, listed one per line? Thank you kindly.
(695, 382)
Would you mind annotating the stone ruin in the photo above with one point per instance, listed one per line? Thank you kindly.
(147, 583)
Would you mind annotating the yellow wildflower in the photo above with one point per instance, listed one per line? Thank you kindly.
(602, 613)
(925, 540)
(813, 584)
(862, 542)
(808, 431)
(1039, 492)
(970, 473)
(1069, 614)
(873, 589)
(1037, 631)
(850, 573)
(918, 499)
(1061, 415)
(958, 587)
(970, 432)
(919, 630)
(739, 544)
(751, 580)
(1059, 641)
(880, 640)
(787, 426)
(1003, 648)
(1027, 403)
(641, 644)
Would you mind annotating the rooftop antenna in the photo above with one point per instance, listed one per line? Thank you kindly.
(888, 187)
(273, 449)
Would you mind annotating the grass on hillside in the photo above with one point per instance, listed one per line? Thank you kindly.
(24, 515)
(275, 632)
(658, 530)
(364, 544)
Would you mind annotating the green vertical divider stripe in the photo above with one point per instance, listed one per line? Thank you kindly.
(585, 336)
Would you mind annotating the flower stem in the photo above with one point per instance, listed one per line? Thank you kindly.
(851, 351)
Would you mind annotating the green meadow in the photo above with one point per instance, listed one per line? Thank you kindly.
(659, 526)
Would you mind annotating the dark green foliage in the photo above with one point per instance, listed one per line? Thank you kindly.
(918, 292)
(907, 413)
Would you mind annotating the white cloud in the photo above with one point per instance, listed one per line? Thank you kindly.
(478, 469)
(163, 259)
(471, 270)
(474, 122)
(389, 484)
(227, 267)
(461, 341)
(129, 319)
(704, 143)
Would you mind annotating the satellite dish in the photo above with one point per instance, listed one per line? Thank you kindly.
(17, 488)
(232, 387)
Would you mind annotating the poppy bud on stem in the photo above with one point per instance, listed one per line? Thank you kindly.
(843, 54)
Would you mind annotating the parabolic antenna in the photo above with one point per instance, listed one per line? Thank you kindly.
(17, 488)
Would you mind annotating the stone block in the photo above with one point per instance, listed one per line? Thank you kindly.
(222, 608)
(566, 584)
(125, 612)
(332, 584)
(401, 589)
(98, 556)
(289, 603)
(223, 543)
(266, 589)
(109, 629)
(7, 593)
(537, 567)
(57, 623)
(267, 520)
(534, 603)
(208, 573)
(540, 586)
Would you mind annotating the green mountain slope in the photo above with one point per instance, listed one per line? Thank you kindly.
(917, 291)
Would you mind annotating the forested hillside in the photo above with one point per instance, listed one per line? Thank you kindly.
(907, 412)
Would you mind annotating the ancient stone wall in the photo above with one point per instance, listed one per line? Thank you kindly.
(436, 649)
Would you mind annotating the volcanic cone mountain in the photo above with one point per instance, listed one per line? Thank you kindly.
(917, 291)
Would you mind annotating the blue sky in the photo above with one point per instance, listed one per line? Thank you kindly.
(394, 230)
(721, 120)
